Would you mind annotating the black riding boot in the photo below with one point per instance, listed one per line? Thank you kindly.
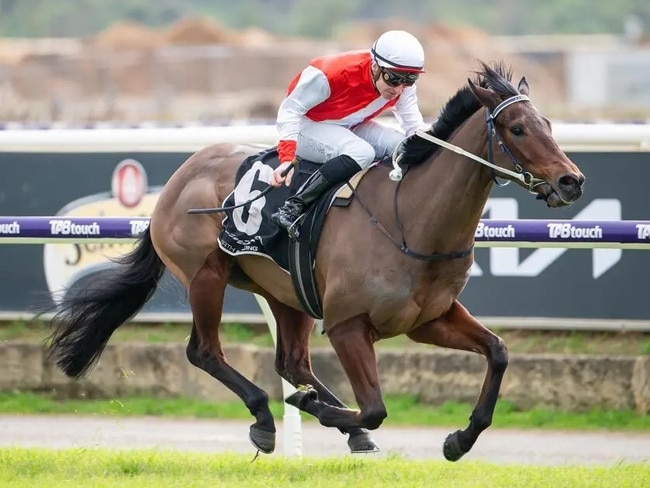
(334, 171)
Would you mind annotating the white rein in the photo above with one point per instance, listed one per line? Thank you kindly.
(527, 179)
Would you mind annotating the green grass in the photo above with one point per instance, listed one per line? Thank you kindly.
(402, 411)
(518, 341)
(161, 469)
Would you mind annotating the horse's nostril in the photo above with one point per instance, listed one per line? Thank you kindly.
(570, 181)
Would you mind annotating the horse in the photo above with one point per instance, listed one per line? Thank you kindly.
(372, 284)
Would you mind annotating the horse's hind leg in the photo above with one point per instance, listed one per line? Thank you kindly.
(458, 329)
(206, 293)
(293, 363)
(353, 341)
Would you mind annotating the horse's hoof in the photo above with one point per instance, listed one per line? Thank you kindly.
(362, 443)
(263, 440)
(451, 448)
(302, 396)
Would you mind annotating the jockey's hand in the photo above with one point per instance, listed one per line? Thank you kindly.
(282, 174)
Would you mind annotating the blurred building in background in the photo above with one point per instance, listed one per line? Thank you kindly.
(197, 70)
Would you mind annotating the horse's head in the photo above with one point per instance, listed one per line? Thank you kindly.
(520, 139)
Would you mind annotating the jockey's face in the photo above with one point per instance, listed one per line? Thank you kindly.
(390, 83)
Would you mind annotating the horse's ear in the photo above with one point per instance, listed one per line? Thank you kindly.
(485, 96)
(523, 87)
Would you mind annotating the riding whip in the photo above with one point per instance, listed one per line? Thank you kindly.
(243, 204)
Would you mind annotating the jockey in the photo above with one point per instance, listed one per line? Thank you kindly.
(327, 116)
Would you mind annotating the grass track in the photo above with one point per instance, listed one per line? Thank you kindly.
(402, 410)
(107, 468)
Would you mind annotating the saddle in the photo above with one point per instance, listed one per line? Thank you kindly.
(249, 229)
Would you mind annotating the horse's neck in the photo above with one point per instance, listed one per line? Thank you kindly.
(449, 192)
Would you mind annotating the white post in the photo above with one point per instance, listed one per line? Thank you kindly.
(292, 430)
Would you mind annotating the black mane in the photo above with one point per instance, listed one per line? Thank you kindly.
(458, 109)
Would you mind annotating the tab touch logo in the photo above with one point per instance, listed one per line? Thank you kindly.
(505, 261)
(567, 231)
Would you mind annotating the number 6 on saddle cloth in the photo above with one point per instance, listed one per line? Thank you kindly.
(248, 229)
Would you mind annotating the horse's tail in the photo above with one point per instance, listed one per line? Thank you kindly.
(88, 316)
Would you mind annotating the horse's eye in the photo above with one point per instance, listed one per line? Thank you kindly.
(517, 130)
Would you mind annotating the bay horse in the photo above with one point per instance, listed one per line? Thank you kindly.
(372, 284)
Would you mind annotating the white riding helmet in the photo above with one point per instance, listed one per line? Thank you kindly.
(398, 50)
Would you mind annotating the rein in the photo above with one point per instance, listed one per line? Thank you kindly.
(527, 180)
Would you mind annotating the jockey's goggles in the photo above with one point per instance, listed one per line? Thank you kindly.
(396, 78)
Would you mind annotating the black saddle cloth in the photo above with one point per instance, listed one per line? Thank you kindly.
(249, 229)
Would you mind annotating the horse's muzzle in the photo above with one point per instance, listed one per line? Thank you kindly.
(566, 190)
(569, 187)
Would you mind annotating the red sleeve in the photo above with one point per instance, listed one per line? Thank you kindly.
(286, 151)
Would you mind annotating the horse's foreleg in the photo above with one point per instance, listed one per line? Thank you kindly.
(457, 329)
(204, 350)
(353, 344)
(293, 363)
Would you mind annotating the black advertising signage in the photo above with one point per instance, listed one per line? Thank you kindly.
(506, 282)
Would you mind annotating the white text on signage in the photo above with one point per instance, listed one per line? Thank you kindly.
(69, 228)
(485, 231)
(643, 231)
(570, 231)
(138, 226)
(10, 229)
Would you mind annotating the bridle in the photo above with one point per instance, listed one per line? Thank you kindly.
(526, 179)
(529, 181)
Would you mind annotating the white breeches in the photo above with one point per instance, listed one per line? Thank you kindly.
(365, 143)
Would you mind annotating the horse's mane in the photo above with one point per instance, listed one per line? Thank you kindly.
(458, 109)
